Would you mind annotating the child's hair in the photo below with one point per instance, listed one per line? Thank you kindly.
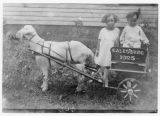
(105, 17)
(132, 14)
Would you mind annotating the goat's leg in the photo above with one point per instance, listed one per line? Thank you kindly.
(81, 79)
(43, 64)
(44, 85)
(81, 84)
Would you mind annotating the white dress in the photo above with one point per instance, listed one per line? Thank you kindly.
(108, 38)
(132, 36)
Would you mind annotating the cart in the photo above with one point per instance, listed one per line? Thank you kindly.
(123, 60)
(131, 60)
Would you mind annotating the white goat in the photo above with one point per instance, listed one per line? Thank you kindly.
(62, 50)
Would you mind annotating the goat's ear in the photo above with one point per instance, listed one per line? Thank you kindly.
(28, 35)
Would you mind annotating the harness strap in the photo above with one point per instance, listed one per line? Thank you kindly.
(66, 55)
(50, 50)
(31, 37)
(42, 47)
(70, 52)
(50, 53)
(139, 33)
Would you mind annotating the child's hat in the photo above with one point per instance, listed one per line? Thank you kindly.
(132, 14)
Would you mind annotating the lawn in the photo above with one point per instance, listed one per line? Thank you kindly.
(22, 78)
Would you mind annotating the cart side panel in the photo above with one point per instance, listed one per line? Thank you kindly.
(128, 59)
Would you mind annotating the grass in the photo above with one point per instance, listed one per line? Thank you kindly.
(22, 78)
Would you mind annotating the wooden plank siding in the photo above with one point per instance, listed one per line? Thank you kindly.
(66, 14)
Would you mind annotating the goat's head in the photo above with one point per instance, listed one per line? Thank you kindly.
(90, 59)
(27, 32)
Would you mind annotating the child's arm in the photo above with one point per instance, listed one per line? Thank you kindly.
(98, 47)
(98, 43)
(122, 37)
(143, 38)
(117, 40)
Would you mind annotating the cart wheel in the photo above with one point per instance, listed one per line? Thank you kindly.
(129, 89)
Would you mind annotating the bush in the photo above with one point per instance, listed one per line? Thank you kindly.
(19, 67)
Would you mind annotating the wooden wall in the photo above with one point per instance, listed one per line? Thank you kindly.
(66, 14)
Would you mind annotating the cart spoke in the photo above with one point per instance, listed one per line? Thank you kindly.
(123, 91)
(137, 90)
(125, 96)
(134, 86)
(124, 86)
(128, 84)
(130, 98)
(135, 95)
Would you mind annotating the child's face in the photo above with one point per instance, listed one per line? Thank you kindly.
(132, 21)
(110, 22)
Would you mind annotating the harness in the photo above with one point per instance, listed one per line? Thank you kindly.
(50, 50)
(32, 37)
(50, 53)
(70, 52)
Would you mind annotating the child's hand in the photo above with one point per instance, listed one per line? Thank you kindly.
(97, 52)
(147, 44)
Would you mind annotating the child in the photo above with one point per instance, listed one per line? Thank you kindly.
(132, 34)
(108, 37)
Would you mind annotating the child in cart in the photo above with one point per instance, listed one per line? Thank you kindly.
(108, 37)
(132, 35)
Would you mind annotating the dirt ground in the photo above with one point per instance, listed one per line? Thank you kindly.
(22, 80)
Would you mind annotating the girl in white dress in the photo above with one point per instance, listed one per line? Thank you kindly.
(132, 34)
(108, 37)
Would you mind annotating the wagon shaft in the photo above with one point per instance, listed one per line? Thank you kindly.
(67, 65)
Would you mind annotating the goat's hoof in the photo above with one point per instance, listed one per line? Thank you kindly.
(44, 88)
(61, 97)
(90, 81)
(81, 91)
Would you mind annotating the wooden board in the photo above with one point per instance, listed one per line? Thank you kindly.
(40, 18)
(134, 55)
(83, 6)
(61, 23)
(72, 10)
(66, 14)
(57, 14)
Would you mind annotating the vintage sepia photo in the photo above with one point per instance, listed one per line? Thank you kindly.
(80, 58)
